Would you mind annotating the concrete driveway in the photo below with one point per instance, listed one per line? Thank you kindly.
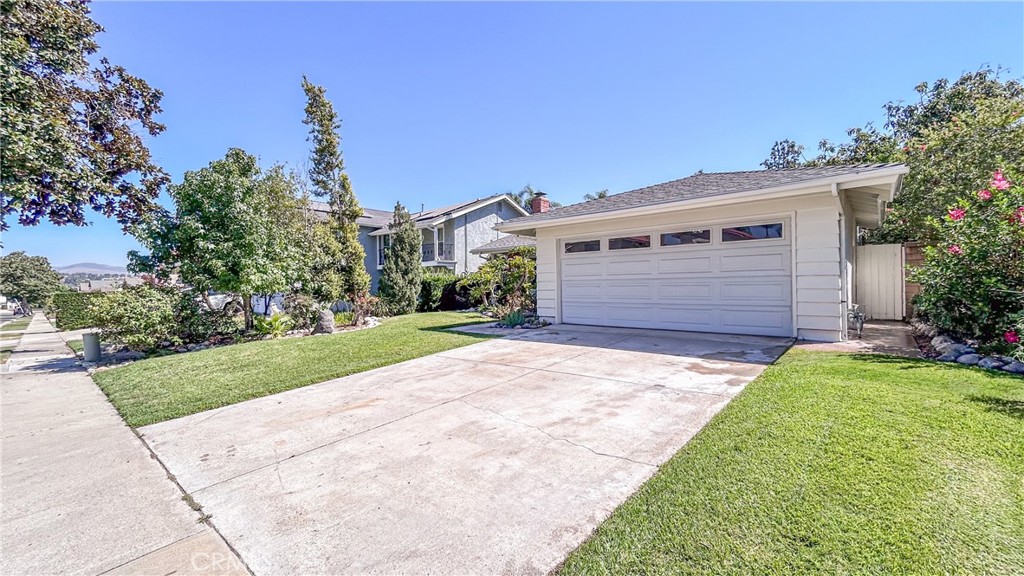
(500, 457)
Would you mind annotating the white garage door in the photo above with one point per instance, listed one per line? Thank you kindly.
(732, 278)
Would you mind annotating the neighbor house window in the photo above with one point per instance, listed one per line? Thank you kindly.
(383, 243)
(686, 237)
(629, 242)
(758, 232)
(583, 246)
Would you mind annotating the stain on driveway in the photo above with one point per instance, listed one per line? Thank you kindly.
(499, 457)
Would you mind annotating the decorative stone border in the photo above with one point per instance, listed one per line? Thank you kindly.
(962, 353)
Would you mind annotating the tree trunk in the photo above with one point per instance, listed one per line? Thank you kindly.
(247, 311)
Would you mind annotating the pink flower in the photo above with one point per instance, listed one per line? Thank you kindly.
(957, 214)
(924, 147)
(999, 182)
(1011, 337)
(984, 194)
(955, 250)
(1019, 214)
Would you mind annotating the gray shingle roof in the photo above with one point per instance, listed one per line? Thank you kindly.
(381, 218)
(702, 185)
(372, 218)
(504, 244)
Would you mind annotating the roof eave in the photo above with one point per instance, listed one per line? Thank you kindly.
(528, 227)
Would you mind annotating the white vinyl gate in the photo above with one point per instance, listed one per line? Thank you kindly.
(880, 283)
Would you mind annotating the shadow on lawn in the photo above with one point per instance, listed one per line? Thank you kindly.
(454, 329)
(1012, 408)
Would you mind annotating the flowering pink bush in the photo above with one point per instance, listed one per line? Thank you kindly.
(972, 282)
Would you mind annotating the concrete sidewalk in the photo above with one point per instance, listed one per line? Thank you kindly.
(81, 494)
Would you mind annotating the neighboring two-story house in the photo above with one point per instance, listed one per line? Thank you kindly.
(450, 234)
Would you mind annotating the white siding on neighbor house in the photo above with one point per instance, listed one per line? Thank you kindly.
(815, 232)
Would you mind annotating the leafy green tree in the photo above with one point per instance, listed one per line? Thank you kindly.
(595, 195)
(29, 279)
(784, 154)
(67, 127)
(329, 180)
(235, 230)
(954, 136)
(320, 277)
(401, 279)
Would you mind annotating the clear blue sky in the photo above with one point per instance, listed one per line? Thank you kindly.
(445, 102)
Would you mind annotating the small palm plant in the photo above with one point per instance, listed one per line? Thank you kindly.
(275, 326)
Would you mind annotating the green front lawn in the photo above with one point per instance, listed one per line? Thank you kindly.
(16, 325)
(836, 464)
(166, 387)
(76, 346)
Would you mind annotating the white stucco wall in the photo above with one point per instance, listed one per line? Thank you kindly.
(817, 304)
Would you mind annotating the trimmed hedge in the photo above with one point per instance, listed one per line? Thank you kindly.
(441, 291)
(71, 309)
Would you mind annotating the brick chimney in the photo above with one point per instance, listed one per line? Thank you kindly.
(539, 203)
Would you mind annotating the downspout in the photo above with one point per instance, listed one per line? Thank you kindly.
(843, 267)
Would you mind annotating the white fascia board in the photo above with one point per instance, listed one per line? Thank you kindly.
(475, 205)
(795, 189)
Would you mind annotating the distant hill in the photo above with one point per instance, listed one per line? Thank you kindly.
(91, 268)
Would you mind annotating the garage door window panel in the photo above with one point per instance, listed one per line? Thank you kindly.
(629, 242)
(752, 232)
(581, 246)
(685, 238)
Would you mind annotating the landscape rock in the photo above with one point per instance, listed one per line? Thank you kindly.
(947, 358)
(942, 342)
(959, 349)
(181, 349)
(324, 323)
(990, 363)
(1014, 368)
(969, 359)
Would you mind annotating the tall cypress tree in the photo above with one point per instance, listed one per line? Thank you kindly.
(403, 273)
(329, 180)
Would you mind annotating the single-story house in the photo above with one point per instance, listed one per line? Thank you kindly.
(768, 252)
(450, 234)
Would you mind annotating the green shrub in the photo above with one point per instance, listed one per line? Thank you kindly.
(71, 309)
(275, 326)
(138, 318)
(343, 318)
(513, 319)
(432, 289)
(506, 282)
(196, 323)
(972, 283)
(302, 309)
